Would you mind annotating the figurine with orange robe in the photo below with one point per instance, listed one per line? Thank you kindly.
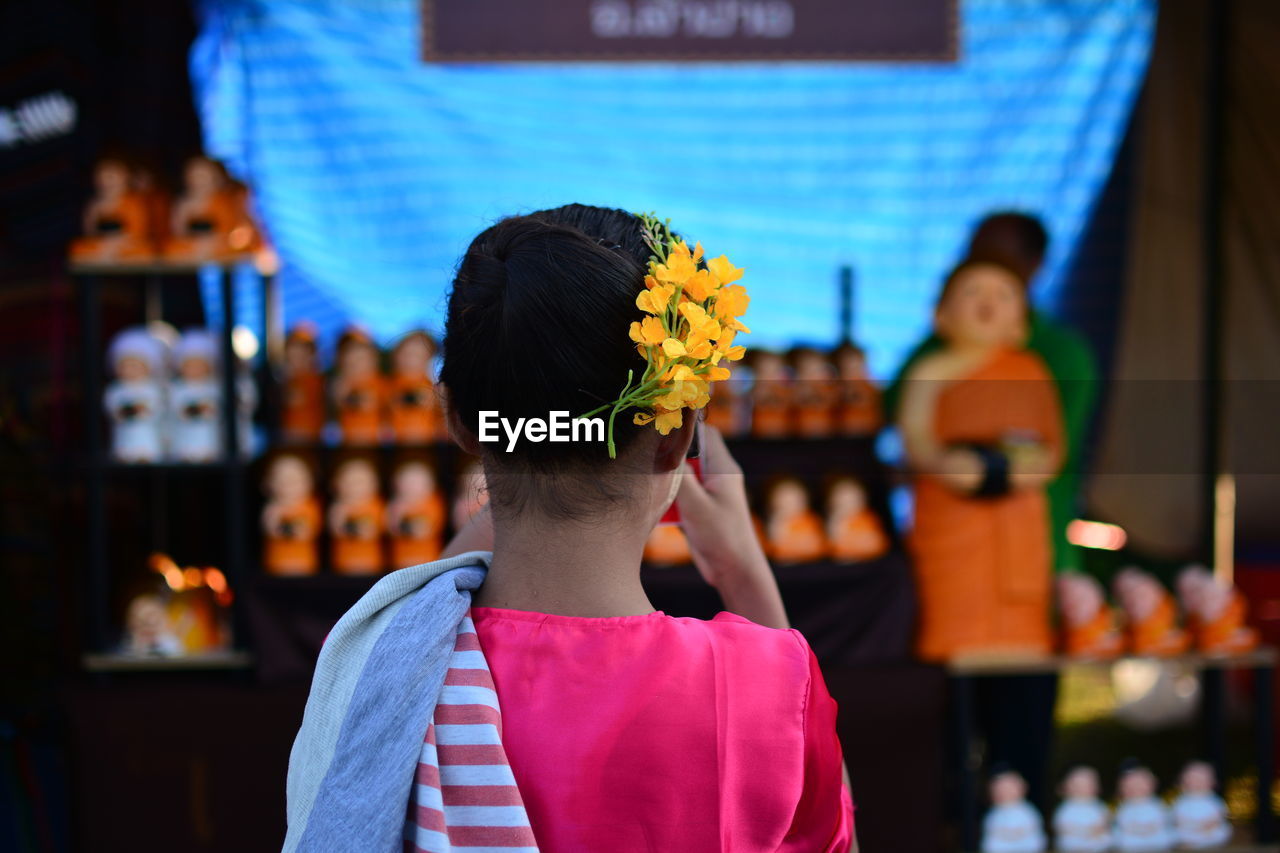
(853, 529)
(793, 531)
(1215, 613)
(415, 515)
(814, 394)
(356, 519)
(291, 519)
(858, 410)
(302, 418)
(1151, 615)
(667, 546)
(204, 216)
(723, 410)
(359, 389)
(770, 395)
(117, 225)
(415, 410)
(1088, 622)
(982, 430)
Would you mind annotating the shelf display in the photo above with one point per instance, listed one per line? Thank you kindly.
(1012, 825)
(359, 389)
(853, 530)
(187, 616)
(117, 220)
(415, 515)
(415, 412)
(793, 531)
(1088, 623)
(1215, 613)
(302, 405)
(291, 518)
(1082, 822)
(1151, 615)
(135, 400)
(1199, 815)
(356, 518)
(1143, 823)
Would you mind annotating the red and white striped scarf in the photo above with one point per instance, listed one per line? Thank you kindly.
(464, 796)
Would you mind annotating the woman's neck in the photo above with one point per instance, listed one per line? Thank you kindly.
(566, 569)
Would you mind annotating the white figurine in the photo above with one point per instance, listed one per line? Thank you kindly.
(1142, 818)
(1199, 814)
(1013, 825)
(1082, 824)
(195, 399)
(135, 401)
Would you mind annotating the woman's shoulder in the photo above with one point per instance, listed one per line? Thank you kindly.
(764, 647)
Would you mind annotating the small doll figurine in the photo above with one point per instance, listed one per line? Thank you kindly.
(1013, 825)
(793, 529)
(853, 529)
(1199, 815)
(291, 519)
(1150, 614)
(204, 216)
(667, 546)
(1215, 613)
(770, 396)
(135, 401)
(1088, 622)
(302, 418)
(356, 518)
(1082, 824)
(858, 409)
(1142, 819)
(143, 181)
(116, 224)
(415, 412)
(723, 409)
(469, 494)
(149, 630)
(415, 515)
(359, 390)
(195, 399)
(813, 394)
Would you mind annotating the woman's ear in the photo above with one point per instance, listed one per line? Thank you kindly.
(673, 447)
(458, 431)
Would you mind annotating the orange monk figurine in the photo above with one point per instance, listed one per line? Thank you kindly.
(1088, 623)
(983, 435)
(415, 411)
(854, 531)
(291, 521)
(770, 395)
(858, 408)
(356, 518)
(359, 389)
(1151, 615)
(1216, 613)
(143, 181)
(302, 415)
(667, 546)
(204, 216)
(724, 409)
(415, 515)
(117, 226)
(814, 394)
(793, 530)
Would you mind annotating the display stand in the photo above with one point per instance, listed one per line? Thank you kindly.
(1262, 662)
(99, 466)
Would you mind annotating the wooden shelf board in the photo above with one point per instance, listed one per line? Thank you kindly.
(1260, 657)
(129, 663)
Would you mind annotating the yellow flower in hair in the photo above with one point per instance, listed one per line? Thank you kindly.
(677, 270)
(724, 271)
(718, 374)
(699, 322)
(648, 332)
(655, 301)
(732, 301)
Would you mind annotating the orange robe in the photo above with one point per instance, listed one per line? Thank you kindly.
(721, 410)
(360, 411)
(858, 536)
(771, 413)
(813, 408)
(128, 225)
(303, 417)
(858, 412)
(801, 540)
(417, 537)
(357, 548)
(415, 414)
(1228, 633)
(983, 565)
(1159, 634)
(219, 217)
(1097, 638)
(295, 553)
(667, 546)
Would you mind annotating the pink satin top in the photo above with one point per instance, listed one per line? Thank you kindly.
(652, 733)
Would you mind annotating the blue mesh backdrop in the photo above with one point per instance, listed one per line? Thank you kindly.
(373, 170)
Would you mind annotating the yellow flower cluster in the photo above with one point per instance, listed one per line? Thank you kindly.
(691, 315)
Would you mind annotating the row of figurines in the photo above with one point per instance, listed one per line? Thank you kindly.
(806, 393)
(131, 219)
(368, 534)
(1213, 615)
(165, 400)
(1142, 821)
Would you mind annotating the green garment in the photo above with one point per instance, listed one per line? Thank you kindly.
(1070, 361)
